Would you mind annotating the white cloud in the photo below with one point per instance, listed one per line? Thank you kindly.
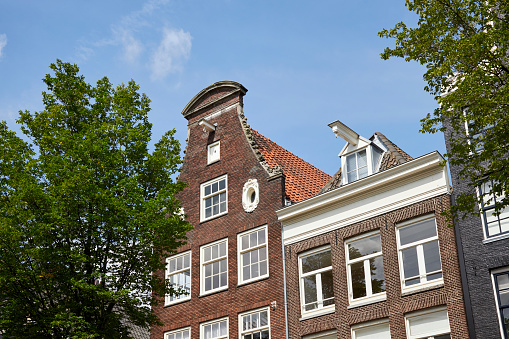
(3, 42)
(131, 47)
(173, 51)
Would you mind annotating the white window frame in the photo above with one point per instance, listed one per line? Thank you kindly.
(420, 256)
(241, 323)
(180, 330)
(181, 298)
(203, 197)
(370, 297)
(202, 328)
(240, 253)
(372, 168)
(433, 332)
(211, 158)
(203, 263)
(497, 301)
(504, 213)
(375, 323)
(319, 310)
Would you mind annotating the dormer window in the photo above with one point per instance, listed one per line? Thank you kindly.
(360, 157)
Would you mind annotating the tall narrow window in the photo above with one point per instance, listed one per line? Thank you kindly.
(214, 198)
(365, 267)
(419, 254)
(316, 285)
(357, 165)
(253, 263)
(255, 324)
(178, 334)
(214, 266)
(494, 224)
(178, 272)
(216, 329)
(501, 280)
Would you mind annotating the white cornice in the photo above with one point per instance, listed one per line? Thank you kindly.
(400, 186)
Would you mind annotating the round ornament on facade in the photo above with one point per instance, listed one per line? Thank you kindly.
(250, 195)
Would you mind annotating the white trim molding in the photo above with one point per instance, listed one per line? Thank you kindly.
(414, 181)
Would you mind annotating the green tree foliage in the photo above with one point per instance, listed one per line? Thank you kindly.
(86, 212)
(464, 46)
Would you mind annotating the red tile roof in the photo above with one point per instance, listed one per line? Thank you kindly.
(302, 180)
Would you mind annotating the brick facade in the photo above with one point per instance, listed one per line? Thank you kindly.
(397, 304)
(222, 106)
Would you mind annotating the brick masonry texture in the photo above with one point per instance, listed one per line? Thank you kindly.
(238, 161)
(479, 260)
(396, 305)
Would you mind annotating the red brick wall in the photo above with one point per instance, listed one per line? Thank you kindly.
(396, 305)
(239, 162)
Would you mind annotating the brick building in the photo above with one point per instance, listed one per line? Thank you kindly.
(371, 256)
(232, 265)
(483, 249)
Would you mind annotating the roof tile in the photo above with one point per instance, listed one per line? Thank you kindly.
(302, 180)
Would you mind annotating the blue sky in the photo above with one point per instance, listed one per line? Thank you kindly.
(304, 63)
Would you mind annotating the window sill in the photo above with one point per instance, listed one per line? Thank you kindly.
(496, 238)
(422, 288)
(205, 294)
(252, 280)
(213, 162)
(214, 217)
(367, 301)
(173, 303)
(314, 314)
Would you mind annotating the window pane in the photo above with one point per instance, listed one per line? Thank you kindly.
(187, 259)
(222, 249)
(207, 190)
(263, 268)
(377, 275)
(358, 280)
(503, 281)
(432, 256)
(214, 187)
(362, 159)
(410, 265)
(327, 285)
(364, 246)
(245, 241)
(310, 293)
(246, 322)
(316, 261)
(419, 231)
(363, 172)
(223, 330)
(253, 239)
(265, 334)
(505, 314)
(261, 236)
(222, 184)
(351, 163)
(264, 320)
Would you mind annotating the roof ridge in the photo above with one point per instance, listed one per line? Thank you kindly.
(400, 155)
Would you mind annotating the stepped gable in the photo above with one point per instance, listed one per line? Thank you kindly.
(393, 157)
(302, 180)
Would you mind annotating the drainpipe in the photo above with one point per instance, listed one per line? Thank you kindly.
(284, 281)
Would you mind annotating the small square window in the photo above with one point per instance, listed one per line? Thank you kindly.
(253, 256)
(316, 285)
(365, 267)
(419, 253)
(213, 152)
(214, 198)
(184, 333)
(178, 272)
(216, 329)
(255, 324)
(214, 267)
